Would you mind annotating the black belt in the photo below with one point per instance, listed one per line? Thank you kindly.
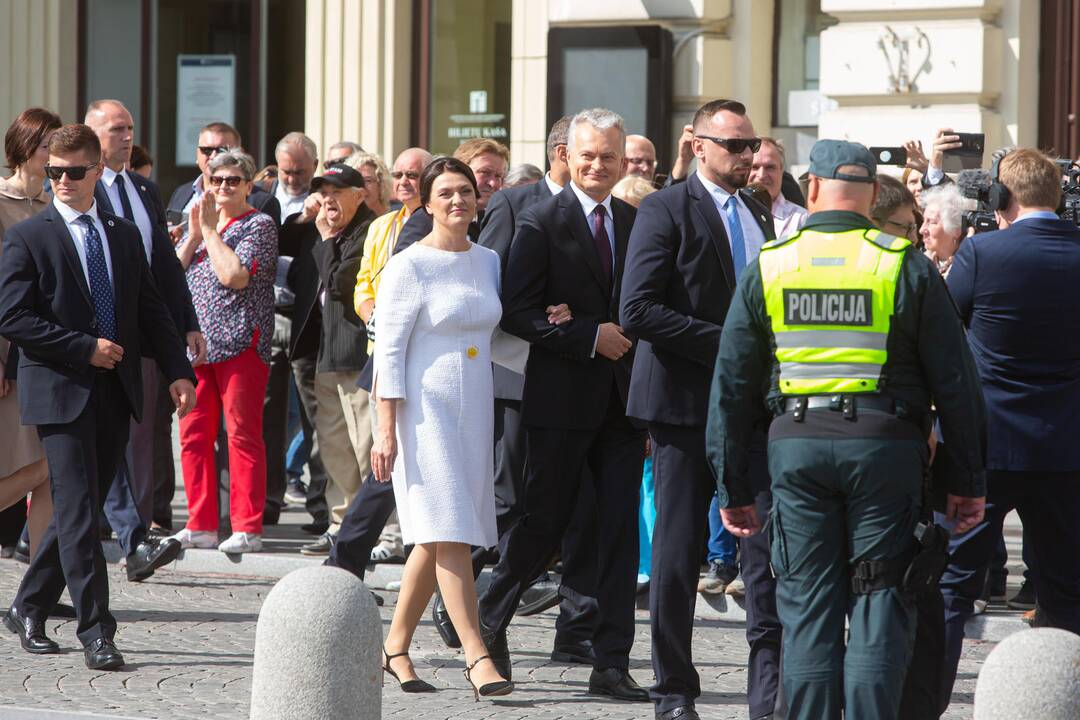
(849, 405)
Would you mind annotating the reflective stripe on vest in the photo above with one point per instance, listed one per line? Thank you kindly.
(830, 299)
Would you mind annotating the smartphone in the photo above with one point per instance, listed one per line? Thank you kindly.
(969, 156)
(890, 155)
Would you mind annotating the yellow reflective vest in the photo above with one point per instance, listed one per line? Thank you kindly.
(830, 298)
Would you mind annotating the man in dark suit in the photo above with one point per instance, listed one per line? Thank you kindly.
(78, 299)
(689, 246)
(1011, 287)
(130, 503)
(570, 249)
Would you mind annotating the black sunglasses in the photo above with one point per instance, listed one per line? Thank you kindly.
(212, 150)
(232, 180)
(397, 175)
(74, 172)
(734, 145)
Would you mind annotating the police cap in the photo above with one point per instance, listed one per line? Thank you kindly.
(828, 156)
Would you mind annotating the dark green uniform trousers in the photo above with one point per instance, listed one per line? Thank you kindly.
(838, 500)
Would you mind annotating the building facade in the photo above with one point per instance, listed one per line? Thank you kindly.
(394, 73)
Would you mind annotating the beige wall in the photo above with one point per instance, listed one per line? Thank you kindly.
(359, 73)
(38, 57)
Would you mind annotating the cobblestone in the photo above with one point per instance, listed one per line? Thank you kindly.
(189, 640)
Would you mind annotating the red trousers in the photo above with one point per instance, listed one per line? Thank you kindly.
(237, 387)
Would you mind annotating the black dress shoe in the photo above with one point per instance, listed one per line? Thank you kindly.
(683, 712)
(31, 633)
(157, 534)
(22, 551)
(441, 618)
(539, 597)
(616, 683)
(101, 654)
(498, 650)
(580, 651)
(148, 557)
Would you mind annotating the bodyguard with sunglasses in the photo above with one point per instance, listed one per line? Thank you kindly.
(690, 243)
(77, 297)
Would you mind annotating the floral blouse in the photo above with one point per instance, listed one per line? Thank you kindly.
(234, 320)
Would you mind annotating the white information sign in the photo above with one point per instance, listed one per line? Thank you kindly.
(205, 93)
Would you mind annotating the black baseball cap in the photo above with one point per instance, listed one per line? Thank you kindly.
(828, 156)
(338, 174)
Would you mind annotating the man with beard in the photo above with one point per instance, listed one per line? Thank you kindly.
(690, 244)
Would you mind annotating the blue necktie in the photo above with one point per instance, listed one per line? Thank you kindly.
(100, 287)
(125, 203)
(738, 244)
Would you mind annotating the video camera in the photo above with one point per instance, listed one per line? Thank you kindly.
(975, 185)
(1069, 209)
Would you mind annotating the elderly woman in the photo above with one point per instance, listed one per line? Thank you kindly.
(22, 463)
(230, 257)
(942, 226)
(376, 180)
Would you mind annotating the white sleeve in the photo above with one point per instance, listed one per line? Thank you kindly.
(400, 297)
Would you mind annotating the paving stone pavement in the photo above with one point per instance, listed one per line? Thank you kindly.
(189, 639)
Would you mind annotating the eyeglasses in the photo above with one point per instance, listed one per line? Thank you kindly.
(906, 230)
(74, 172)
(212, 150)
(734, 146)
(232, 180)
(410, 174)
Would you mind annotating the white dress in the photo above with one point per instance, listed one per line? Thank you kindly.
(437, 311)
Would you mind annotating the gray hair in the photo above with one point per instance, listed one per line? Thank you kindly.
(601, 119)
(233, 158)
(558, 136)
(949, 203)
(349, 145)
(521, 174)
(360, 159)
(298, 140)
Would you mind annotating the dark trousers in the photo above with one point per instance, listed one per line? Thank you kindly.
(276, 411)
(164, 467)
(304, 376)
(1048, 505)
(83, 456)
(614, 453)
(763, 630)
(362, 525)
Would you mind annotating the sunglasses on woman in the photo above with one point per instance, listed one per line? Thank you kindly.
(231, 180)
(74, 172)
(735, 146)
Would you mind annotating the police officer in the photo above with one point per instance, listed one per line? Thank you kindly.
(846, 335)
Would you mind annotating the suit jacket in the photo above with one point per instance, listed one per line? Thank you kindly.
(330, 329)
(553, 260)
(678, 285)
(420, 224)
(257, 198)
(500, 222)
(1016, 290)
(164, 265)
(47, 310)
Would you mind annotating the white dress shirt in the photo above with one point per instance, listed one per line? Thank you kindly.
(589, 206)
(554, 187)
(788, 218)
(753, 238)
(77, 230)
(290, 204)
(142, 218)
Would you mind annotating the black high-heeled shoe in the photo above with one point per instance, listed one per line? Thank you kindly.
(409, 686)
(491, 689)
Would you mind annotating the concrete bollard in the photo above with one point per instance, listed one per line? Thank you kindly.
(318, 648)
(1031, 674)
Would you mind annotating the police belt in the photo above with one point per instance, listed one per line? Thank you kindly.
(847, 404)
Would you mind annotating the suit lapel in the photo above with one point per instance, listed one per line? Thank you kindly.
(111, 232)
(67, 245)
(623, 220)
(102, 197)
(710, 224)
(574, 216)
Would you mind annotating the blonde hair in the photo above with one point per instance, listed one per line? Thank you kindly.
(1032, 178)
(633, 189)
(469, 150)
(382, 174)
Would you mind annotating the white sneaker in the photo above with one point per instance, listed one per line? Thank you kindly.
(206, 539)
(241, 542)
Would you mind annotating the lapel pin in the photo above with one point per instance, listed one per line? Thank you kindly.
(111, 224)
(143, 188)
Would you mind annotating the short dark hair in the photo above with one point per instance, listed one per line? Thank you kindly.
(27, 132)
(139, 157)
(440, 166)
(75, 138)
(559, 135)
(892, 195)
(223, 128)
(706, 111)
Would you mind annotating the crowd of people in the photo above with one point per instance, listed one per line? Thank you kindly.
(476, 364)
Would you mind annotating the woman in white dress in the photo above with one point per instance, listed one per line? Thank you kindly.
(438, 307)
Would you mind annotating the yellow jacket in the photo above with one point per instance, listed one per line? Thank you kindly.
(378, 246)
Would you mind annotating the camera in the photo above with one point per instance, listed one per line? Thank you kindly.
(975, 185)
(1069, 209)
